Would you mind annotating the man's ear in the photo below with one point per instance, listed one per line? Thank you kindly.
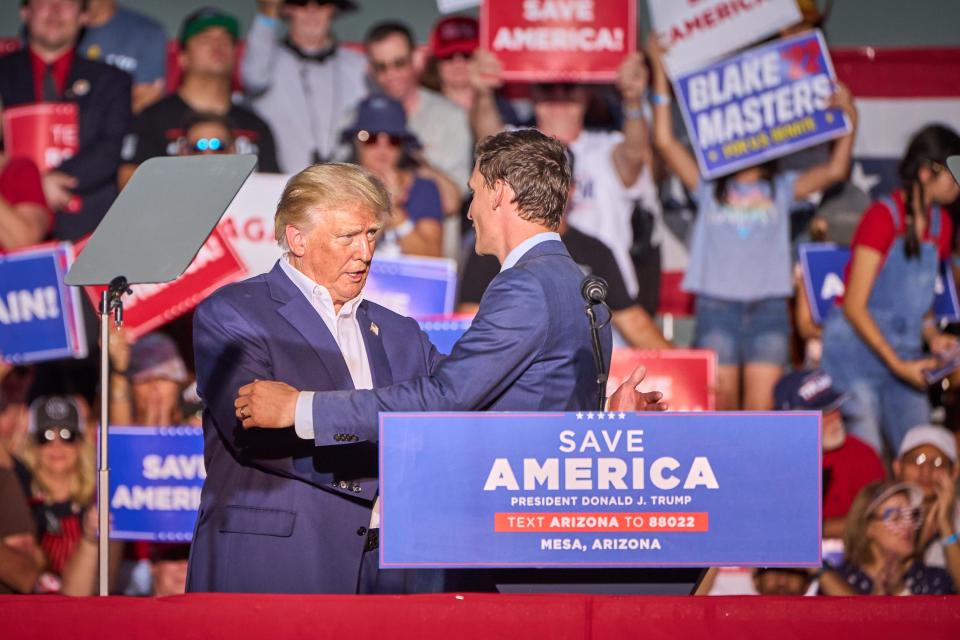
(296, 240)
(503, 194)
(418, 57)
(896, 467)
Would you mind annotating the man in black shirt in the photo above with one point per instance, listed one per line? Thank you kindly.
(593, 257)
(207, 43)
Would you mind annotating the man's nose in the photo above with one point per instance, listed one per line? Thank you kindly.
(365, 250)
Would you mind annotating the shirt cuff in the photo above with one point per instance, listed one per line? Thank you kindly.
(303, 417)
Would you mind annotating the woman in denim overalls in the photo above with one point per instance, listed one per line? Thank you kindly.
(873, 344)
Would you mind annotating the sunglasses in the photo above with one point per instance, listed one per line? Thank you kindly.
(209, 144)
(383, 67)
(47, 436)
(303, 3)
(371, 138)
(923, 460)
(459, 55)
(900, 517)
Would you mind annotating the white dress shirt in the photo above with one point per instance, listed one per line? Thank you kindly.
(521, 249)
(345, 330)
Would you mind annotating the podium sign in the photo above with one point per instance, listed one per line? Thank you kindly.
(600, 489)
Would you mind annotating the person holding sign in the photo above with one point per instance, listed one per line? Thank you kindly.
(873, 342)
(613, 168)
(24, 216)
(79, 149)
(740, 254)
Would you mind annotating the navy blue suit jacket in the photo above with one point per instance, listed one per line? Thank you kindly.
(278, 514)
(528, 349)
(103, 103)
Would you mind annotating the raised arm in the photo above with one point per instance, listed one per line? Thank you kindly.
(837, 168)
(630, 156)
(674, 154)
(485, 71)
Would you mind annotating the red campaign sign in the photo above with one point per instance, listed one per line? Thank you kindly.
(686, 377)
(153, 305)
(559, 40)
(46, 132)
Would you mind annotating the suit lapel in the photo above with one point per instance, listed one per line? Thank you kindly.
(380, 370)
(296, 310)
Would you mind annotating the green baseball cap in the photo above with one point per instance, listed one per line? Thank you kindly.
(202, 19)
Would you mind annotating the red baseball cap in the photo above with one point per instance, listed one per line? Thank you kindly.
(453, 35)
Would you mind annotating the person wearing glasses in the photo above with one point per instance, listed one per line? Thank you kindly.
(381, 144)
(928, 458)
(207, 133)
(873, 339)
(880, 546)
(61, 461)
(440, 125)
(299, 79)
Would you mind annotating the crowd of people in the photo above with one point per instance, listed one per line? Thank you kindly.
(411, 116)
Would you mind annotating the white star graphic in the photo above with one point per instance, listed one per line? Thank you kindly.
(590, 416)
(862, 180)
(622, 415)
(579, 415)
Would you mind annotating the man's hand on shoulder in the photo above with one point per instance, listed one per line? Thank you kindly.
(628, 398)
(266, 404)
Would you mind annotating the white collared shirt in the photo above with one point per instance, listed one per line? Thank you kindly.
(521, 249)
(344, 328)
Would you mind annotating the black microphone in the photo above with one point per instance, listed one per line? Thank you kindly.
(593, 289)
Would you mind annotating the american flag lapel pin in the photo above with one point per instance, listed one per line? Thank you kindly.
(374, 328)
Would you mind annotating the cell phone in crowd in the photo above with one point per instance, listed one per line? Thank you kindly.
(948, 362)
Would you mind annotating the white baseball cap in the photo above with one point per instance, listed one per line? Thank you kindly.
(932, 435)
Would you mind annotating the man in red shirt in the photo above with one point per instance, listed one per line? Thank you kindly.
(82, 186)
(849, 464)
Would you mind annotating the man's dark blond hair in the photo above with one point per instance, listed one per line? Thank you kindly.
(536, 168)
(331, 185)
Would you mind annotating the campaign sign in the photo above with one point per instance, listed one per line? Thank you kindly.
(156, 474)
(761, 104)
(559, 40)
(444, 331)
(823, 264)
(412, 286)
(46, 132)
(687, 378)
(698, 31)
(153, 305)
(247, 223)
(600, 489)
(39, 315)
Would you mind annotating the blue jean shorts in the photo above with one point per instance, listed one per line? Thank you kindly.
(742, 332)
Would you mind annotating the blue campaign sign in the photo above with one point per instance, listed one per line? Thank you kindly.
(39, 315)
(600, 489)
(445, 331)
(413, 286)
(760, 104)
(823, 265)
(156, 474)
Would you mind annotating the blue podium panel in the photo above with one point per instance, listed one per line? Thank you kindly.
(600, 489)
(156, 474)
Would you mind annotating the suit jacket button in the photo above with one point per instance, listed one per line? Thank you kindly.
(338, 437)
(355, 487)
(343, 484)
(356, 438)
(362, 531)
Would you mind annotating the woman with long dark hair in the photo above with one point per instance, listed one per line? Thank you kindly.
(873, 341)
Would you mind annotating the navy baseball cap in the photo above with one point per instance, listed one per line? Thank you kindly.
(806, 390)
(381, 114)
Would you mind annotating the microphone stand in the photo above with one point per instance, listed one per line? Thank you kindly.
(111, 304)
(597, 356)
